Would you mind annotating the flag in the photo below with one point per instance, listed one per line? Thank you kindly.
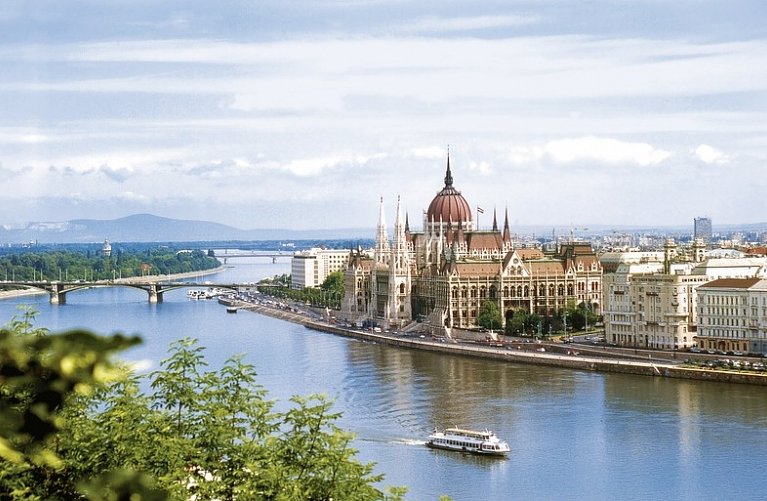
(480, 209)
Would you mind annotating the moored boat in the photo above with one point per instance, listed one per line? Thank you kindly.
(462, 440)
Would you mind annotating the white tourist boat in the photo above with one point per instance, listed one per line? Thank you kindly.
(477, 442)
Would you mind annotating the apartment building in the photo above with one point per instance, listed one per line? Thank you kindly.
(732, 316)
(652, 303)
(311, 267)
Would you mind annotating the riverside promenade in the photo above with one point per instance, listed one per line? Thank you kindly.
(614, 364)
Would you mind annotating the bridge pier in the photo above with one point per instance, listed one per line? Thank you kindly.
(155, 293)
(58, 296)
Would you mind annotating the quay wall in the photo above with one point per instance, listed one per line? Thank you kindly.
(622, 366)
(578, 362)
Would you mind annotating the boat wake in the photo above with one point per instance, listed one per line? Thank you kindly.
(394, 441)
(408, 441)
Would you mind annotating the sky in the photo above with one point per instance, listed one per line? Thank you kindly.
(304, 114)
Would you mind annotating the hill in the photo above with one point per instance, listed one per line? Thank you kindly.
(151, 228)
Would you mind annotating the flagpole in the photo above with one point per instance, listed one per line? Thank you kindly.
(479, 211)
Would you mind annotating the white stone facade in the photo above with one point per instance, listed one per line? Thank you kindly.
(732, 316)
(653, 303)
(311, 267)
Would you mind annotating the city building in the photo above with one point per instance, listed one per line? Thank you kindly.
(732, 316)
(651, 302)
(702, 229)
(106, 249)
(311, 267)
(443, 274)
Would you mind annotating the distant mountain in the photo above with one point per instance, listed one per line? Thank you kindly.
(150, 228)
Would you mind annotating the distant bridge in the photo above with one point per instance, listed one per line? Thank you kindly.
(58, 290)
(223, 256)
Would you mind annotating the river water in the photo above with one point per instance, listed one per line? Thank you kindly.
(573, 434)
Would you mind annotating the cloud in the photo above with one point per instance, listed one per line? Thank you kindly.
(427, 153)
(318, 74)
(480, 167)
(710, 155)
(605, 150)
(454, 24)
(589, 148)
(15, 136)
(129, 196)
(306, 167)
(117, 174)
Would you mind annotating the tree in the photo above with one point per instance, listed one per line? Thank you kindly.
(489, 316)
(69, 414)
(39, 373)
(515, 326)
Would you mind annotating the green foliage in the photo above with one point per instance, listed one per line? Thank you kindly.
(71, 265)
(38, 374)
(490, 316)
(334, 283)
(523, 323)
(329, 294)
(75, 426)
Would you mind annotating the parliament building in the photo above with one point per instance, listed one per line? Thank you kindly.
(442, 275)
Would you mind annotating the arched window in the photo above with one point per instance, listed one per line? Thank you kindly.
(454, 293)
(561, 289)
(551, 289)
(473, 291)
(506, 291)
(542, 290)
(569, 289)
(463, 292)
(492, 292)
(527, 291)
(402, 288)
(482, 292)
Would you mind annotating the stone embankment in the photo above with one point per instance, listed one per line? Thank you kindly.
(516, 354)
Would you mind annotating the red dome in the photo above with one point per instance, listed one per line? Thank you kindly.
(449, 205)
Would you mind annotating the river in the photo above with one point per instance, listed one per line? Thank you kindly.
(573, 434)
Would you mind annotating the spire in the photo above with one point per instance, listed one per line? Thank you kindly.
(506, 232)
(399, 250)
(382, 241)
(398, 215)
(495, 222)
(448, 174)
(407, 224)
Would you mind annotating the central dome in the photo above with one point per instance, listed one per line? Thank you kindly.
(449, 205)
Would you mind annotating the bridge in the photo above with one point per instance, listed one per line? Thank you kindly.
(58, 290)
(223, 256)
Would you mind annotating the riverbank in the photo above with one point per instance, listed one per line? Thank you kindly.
(571, 359)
